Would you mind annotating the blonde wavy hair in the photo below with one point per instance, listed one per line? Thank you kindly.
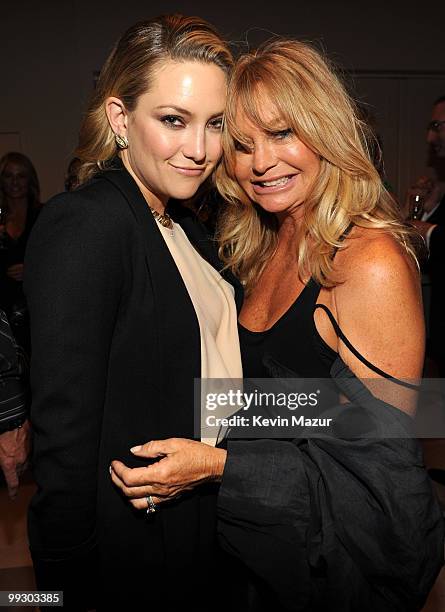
(129, 70)
(304, 94)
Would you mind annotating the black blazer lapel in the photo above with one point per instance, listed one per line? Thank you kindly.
(176, 321)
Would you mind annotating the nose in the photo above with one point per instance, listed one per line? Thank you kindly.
(263, 158)
(195, 145)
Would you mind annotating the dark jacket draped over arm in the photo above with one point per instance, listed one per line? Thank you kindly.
(336, 524)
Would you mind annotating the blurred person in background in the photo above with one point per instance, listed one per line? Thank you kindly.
(430, 222)
(20, 205)
(15, 440)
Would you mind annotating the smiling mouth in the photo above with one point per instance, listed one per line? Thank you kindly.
(189, 171)
(278, 182)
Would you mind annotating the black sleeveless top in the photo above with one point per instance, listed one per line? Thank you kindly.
(293, 341)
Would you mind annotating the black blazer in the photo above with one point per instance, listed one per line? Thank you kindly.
(116, 348)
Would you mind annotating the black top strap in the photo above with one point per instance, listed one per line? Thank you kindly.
(342, 237)
(355, 352)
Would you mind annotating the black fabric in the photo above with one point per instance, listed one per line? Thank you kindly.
(303, 351)
(359, 356)
(14, 387)
(435, 267)
(12, 299)
(329, 523)
(438, 215)
(335, 524)
(116, 348)
(11, 291)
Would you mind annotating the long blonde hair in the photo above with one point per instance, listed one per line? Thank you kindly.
(129, 69)
(310, 100)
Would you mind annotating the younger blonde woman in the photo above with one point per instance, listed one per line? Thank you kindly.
(126, 312)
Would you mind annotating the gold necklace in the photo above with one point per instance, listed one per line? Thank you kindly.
(165, 220)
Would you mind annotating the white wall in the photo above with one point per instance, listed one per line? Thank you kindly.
(49, 50)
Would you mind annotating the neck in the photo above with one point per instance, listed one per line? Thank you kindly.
(157, 203)
(17, 206)
(289, 225)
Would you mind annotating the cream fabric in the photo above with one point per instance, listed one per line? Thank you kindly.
(213, 300)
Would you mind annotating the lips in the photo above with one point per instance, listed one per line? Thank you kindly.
(273, 184)
(188, 171)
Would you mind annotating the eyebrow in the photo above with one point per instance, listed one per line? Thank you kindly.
(183, 111)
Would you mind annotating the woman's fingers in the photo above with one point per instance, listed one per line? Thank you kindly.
(129, 490)
(138, 495)
(141, 503)
(182, 465)
(134, 482)
(139, 482)
(153, 449)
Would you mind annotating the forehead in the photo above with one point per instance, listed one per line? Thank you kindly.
(14, 168)
(185, 84)
(255, 109)
(262, 119)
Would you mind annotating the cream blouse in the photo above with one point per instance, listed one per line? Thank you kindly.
(214, 304)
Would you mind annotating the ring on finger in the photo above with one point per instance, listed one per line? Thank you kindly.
(151, 506)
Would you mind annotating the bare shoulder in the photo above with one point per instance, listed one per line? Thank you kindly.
(374, 258)
(378, 304)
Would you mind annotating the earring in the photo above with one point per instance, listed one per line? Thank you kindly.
(121, 141)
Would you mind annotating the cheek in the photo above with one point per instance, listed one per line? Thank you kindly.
(242, 169)
(315, 167)
(214, 147)
(161, 144)
(300, 156)
(152, 139)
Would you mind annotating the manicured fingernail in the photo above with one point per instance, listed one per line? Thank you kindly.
(135, 449)
(110, 469)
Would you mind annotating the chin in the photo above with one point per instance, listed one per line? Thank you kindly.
(184, 192)
(275, 208)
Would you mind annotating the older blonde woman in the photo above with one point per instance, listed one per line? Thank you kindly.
(332, 291)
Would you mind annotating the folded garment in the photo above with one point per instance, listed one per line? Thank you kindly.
(332, 523)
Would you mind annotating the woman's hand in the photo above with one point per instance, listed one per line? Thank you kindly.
(183, 465)
(15, 447)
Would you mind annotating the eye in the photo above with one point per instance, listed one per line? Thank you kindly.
(216, 124)
(172, 121)
(239, 146)
(281, 134)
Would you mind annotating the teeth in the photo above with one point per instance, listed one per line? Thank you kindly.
(280, 181)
